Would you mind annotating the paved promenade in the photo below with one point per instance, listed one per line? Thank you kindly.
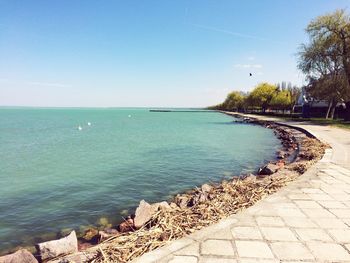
(306, 221)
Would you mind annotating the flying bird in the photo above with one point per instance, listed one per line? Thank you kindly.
(250, 74)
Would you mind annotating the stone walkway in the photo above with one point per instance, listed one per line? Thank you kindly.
(306, 221)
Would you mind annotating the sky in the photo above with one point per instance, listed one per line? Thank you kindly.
(148, 53)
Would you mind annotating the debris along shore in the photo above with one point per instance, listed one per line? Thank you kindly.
(154, 225)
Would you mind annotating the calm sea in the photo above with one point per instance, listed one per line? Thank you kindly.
(55, 176)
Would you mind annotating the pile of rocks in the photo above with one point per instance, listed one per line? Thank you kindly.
(45, 251)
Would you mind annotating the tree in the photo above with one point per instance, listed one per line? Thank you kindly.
(234, 101)
(281, 100)
(324, 71)
(330, 42)
(262, 95)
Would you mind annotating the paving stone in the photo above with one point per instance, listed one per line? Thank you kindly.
(278, 234)
(329, 251)
(299, 197)
(291, 251)
(290, 212)
(184, 259)
(348, 247)
(285, 205)
(216, 260)
(340, 235)
(253, 249)
(299, 222)
(332, 204)
(262, 211)
(307, 204)
(258, 260)
(312, 191)
(246, 221)
(313, 234)
(246, 232)
(217, 247)
(191, 250)
(269, 221)
(318, 197)
(221, 234)
(330, 223)
(341, 213)
(331, 189)
(317, 213)
(341, 197)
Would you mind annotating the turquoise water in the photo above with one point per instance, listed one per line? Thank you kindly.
(54, 176)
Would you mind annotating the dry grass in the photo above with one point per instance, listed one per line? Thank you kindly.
(224, 200)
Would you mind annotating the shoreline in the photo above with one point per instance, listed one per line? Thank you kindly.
(291, 145)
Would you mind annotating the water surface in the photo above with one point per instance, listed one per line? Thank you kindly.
(54, 176)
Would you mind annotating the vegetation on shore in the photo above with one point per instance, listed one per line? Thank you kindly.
(264, 96)
(325, 61)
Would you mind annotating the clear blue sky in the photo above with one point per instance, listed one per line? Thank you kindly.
(148, 53)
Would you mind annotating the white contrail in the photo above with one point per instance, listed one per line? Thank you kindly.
(232, 33)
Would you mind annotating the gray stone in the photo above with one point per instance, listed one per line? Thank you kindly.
(79, 257)
(161, 206)
(20, 256)
(182, 201)
(268, 169)
(143, 214)
(206, 188)
(54, 248)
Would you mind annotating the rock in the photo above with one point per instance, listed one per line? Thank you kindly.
(198, 198)
(143, 214)
(54, 248)
(164, 236)
(64, 232)
(104, 222)
(20, 256)
(83, 245)
(111, 231)
(280, 164)
(203, 197)
(160, 206)
(249, 177)
(261, 176)
(164, 205)
(79, 257)
(103, 235)
(206, 188)
(91, 235)
(268, 169)
(281, 154)
(124, 212)
(126, 226)
(182, 201)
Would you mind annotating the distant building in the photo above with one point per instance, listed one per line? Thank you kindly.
(308, 106)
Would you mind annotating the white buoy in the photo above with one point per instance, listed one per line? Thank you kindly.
(89, 123)
(80, 128)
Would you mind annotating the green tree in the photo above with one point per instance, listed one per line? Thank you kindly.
(262, 95)
(234, 101)
(281, 100)
(329, 48)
